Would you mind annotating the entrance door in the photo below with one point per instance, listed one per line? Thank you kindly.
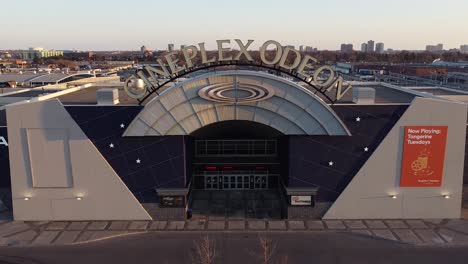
(260, 182)
(211, 182)
(229, 182)
(246, 182)
(236, 182)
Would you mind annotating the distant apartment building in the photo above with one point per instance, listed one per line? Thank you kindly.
(74, 54)
(370, 46)
(380, 47)
(170, 47)
(145, 52)
(435, 48)
(310, 49)
(364, 47)
(5, 55)
(346, 48)
(464, 48)
(33, 53)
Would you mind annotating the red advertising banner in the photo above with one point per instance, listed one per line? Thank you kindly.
(423, 156)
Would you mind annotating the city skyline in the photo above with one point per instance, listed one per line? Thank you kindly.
(403, 25)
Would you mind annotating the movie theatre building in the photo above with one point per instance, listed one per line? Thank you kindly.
(235, 140)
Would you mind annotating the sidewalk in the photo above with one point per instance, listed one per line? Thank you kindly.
(416, 232)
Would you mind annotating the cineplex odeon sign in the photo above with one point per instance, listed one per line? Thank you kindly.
(272, 56)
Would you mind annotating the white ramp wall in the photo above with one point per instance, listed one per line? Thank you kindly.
(369, 194)
(53, 162)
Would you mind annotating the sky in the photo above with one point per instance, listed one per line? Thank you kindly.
(325, 24)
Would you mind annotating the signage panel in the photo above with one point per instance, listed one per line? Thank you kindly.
(190, 58)
(423, 156)
(301, 200)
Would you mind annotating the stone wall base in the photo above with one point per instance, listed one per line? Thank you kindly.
(158, 213)
(308, 212)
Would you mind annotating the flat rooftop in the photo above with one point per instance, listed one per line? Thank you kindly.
(384, 93)
(438, 91)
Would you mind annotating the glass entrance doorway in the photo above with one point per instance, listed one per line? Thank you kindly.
(238, 181)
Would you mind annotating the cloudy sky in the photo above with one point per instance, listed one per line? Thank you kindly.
(126, 25)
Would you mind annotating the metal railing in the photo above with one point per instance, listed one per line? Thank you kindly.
(232, 172)
(408, 80)
(238, 148)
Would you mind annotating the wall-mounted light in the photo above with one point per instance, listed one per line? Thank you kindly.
(446, 196)
(393, 196)
(330, 163)
(79, 198)
(26, 198)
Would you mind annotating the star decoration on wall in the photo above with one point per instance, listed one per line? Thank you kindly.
(358, 119)
(366, 149)
(330, 163)
(138, 161)
(122, 125)
(111, 145)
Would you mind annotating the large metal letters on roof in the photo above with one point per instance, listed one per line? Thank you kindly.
(285, 59)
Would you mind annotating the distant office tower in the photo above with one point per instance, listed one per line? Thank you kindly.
(182, 47)
(370, 46)
(301, 48)
(464, 48)
(143, 50)
(170, 47)
(364, 47)
(33, 53)
(346, 48)
(379, 47)
(435, 48)
(310, 49)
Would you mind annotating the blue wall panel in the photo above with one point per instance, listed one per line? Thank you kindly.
(309, 156)
(162, 159)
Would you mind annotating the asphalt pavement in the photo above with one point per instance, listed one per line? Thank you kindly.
(236, 247)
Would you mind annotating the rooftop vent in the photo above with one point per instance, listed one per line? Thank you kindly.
(363, 95)
(107, 96)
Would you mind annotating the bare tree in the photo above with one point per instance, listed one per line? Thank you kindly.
(205, 251)
(268, 250)
(284, 260)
